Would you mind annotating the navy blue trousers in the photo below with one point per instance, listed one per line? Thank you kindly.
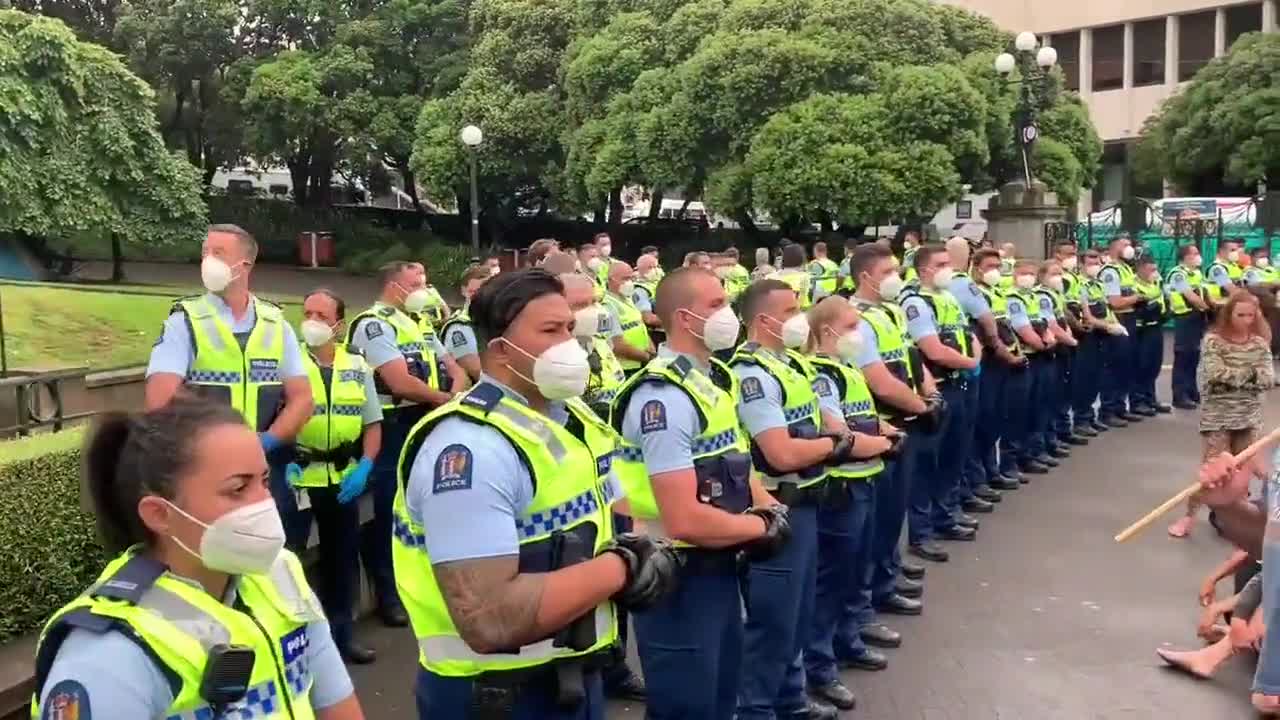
(439, 697)
(939, 470)
(690, 643)
(1044, 386)
(844, 547)
(1015, 428)
(1086, 372)
(1188, 331)
(1150, 350)
(989, 425)
(1062, 399)
(1118, 360)
(376, 540)
(891, 493)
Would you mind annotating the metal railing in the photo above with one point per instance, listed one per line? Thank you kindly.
(38, 401)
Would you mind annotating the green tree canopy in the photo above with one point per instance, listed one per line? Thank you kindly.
(79, 145)
(1224, 124)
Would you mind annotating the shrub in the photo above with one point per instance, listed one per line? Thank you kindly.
(51, 548)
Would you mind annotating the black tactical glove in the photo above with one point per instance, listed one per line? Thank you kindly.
(895, 450)
(777, 531)
(651, 569)
(842, 452)
(935, 411)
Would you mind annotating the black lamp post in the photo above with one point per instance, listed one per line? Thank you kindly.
(472, 137)
(1034, 83)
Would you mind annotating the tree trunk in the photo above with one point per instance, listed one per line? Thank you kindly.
(299, 176)
(655, 204)
(746, 222)
(117, 259)
(463, 201)
(684, 207)
(598, 215)
(615, 206)
(410, 184)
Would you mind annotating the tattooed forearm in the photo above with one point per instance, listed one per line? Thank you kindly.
(494, 607)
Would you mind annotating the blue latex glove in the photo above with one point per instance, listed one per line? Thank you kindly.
(269, 442)
(355, 481)
(975, 373)
(292, 473)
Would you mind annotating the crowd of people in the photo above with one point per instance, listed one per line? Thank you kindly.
(723, 460)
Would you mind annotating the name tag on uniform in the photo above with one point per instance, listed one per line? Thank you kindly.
(294, 645)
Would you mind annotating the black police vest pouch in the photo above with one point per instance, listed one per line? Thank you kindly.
(1151, 314)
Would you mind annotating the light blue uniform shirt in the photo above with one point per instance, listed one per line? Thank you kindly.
(1178, 280)
(1253, 276)
(174, 351)
(610, 323)
(111, 674)
(474, 517)
(921, 322)
(462, 341)
(640, 298)
(966, 293)
(869, 353)
(1018, 317)
(1046, 305)
(1218, 275)
(824, 386)
(844, 270)
(760, 407)
(377, 340)
(1110, 279)
(665, 431)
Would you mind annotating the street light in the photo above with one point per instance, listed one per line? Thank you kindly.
(472, 137)
(1034, 81)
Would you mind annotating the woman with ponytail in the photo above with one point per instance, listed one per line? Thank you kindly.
(202, 613)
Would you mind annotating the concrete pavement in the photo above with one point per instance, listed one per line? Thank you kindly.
(1044, 617)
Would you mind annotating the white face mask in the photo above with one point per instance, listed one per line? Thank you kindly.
(992, 278)
(606, 250)
(942, 278)
(594, 264)
(720, 329)
(627, 289)
(316, 333)
(1128, 252)
(586, 322)
(215, 274)
(245, 541)
(560, 372)
(1092, 270)
(1234, 256)
(1054, 282)
(890, 287)
(849, 346)
(795, 331)
(1026, 282)
(1069, 263)
(1262, 262)
(415, 300)
(1194, 261)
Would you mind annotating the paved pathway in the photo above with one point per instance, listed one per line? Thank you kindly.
(1044, 617)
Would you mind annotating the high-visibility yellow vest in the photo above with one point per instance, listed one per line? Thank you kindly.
(1032, 304)
(1098, 305)
(859, 410)
(570, 509)
(634, 332)
(330, 441)
(895, 346)
(179, 624)
(799, 407)
(1268, 274)
(721, 452)
(1152, 315)
(828, 276)
(801, 281)
(953, 328)
(461, 316)
(421, 360)
(1127, 276)
(436, 310)
(1000, 312)
(735, 282)
(250, 379)
(1178, 304)
(1234, 273)
(607, 376)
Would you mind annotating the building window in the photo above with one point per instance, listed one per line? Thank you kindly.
(1195, 43)
(1242, 19)
(1108, 58)
(1068, 47)
(1148, 52)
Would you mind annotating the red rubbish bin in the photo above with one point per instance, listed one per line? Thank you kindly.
(316, 249)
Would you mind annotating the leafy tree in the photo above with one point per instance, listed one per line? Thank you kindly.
(92, 20)
(79, 146)
(1225, 124)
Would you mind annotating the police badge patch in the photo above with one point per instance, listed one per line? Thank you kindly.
(653, 416)
(453, 469)
(752, 389)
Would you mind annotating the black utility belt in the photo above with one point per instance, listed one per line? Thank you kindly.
(791, 495)
(496, 694)
(709, 561)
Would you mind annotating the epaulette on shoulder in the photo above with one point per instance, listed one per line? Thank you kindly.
(484, 396)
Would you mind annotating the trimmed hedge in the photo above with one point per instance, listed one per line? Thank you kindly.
(51, 548)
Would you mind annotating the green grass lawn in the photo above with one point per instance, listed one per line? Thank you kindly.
(48, 326)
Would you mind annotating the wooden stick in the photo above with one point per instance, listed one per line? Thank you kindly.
(1191, 489)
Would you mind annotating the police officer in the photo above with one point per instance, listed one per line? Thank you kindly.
(1008, 260)
(794, 274)
(938, 326)
(233, 347)
(845, 279)
(434, 313)
(604, 250)
(332, 461)
(1048, 383)
(844, 517)
(1016, 457)
(900, 384)
(1002, 369)
(1187, 303)
(631, 344)
(1150, 319)
(1117, 280)
(1071, 314)
(826, 274)
(1261, 273)
(736, 277)
(516, 610)
(1225, 273)
(650, 271)
(910, 244)
(201, 613)
(791, 446)
(1102, 327)
(686, 466)
(412, 373)
(592, 265)
(457, 335)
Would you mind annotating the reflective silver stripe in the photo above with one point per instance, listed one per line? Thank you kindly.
(771, 482)
(452, 648)
(191, 620)
(302, 602)
(209, 327)
(540, 429)
(268, 332)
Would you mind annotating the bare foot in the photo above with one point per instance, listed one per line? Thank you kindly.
(1268, 705)
(1215, 633)
(1194, 662)
(1182, 526)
